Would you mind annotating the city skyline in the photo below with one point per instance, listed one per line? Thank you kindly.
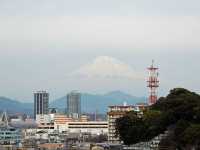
(42, 42)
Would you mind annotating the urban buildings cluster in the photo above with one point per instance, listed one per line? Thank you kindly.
(51, 128)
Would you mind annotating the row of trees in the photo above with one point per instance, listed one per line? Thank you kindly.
(178, 113)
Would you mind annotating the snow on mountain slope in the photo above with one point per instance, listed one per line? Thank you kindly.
(107, 67)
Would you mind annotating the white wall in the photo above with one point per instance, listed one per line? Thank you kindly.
(44, 118)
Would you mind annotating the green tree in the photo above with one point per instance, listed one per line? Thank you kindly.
(191, 136)
(179, 113)
(129, 128)
(154, 123)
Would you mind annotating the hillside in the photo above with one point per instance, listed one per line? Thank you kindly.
(13, 106)
(89, 102)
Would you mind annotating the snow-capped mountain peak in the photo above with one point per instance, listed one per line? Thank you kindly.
(106, 67)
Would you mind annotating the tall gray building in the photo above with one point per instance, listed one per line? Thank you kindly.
(41, 103)
(74, 105)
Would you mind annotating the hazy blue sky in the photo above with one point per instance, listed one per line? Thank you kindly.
(41, 41)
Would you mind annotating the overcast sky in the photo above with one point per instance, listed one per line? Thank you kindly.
(41, 41)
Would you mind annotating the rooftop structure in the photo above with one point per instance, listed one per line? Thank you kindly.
(5, 121)
(142, 106)
(9, 137)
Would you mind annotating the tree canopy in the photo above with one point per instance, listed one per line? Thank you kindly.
(179, 113)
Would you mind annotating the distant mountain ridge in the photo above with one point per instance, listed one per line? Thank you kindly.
(13, 106)
(89, 103)
(92, 103)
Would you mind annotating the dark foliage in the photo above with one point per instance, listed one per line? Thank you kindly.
(129, 128)
(179, 113)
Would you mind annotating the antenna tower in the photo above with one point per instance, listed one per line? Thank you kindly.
(152, 83)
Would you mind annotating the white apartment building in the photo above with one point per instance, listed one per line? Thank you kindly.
(114, 113)
(92, 127)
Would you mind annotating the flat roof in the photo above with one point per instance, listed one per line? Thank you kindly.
(122, 106)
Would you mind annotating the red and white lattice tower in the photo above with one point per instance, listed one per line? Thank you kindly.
(152, 83)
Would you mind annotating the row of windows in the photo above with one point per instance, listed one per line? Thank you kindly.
(87, 124)
(86, 127)
(41, 103)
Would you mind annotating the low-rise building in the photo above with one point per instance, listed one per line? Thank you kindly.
(42, 134)
(63, 123)
(96, 117)
(88, 127)
(10, 136)
(84, 118)
(42, 118)
(46, 126)
(141, 107)
(60, 122)
(51, 145)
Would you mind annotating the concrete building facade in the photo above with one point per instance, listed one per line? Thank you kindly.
(74, 105)
(41, 103)
(63, 123)
(42, 119)
(114, 113)
(10, 136)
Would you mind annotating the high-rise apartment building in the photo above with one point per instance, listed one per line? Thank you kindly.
(41, 103)
(114, 113)
(74, 105)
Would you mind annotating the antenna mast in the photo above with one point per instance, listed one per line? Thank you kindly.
(152, 83)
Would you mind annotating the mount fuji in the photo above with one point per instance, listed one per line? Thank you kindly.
(105, 67)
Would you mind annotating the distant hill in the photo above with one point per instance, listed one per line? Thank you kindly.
(28, 105)
(13, 106)
(90, 102)
(119, 97)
